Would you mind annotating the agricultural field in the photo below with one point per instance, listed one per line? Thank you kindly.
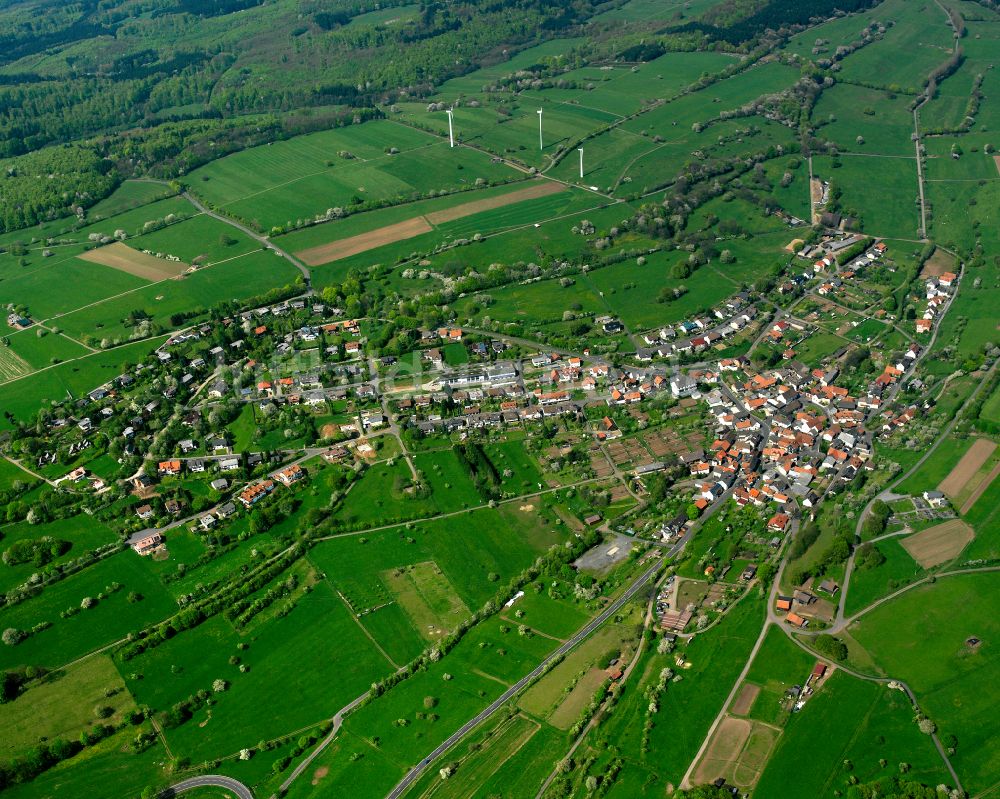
(938, 620)
(327, 442)
(861, 724)
(379, 162)
(895, 177)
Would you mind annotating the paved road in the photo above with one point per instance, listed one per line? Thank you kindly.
(337, 720)
(507, 695)
(236, 787)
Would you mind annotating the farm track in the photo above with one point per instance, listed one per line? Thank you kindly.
(303, 269)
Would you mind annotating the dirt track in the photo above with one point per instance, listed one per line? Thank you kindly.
(125, 259)
(745, 699)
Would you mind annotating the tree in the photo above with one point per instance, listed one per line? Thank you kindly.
(832, 647)
(927, 726)
(13, 636)
(219, 686)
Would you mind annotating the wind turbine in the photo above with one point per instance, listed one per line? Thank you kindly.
(580, 150)
(451, 129)
(541, 146)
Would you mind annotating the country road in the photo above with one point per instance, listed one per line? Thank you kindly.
(236, 787)
(252, 234)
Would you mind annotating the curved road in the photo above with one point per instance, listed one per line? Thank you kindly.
(235, 787)
(507, 695)
(264, 240)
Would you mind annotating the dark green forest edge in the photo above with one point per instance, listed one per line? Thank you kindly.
(187, 82)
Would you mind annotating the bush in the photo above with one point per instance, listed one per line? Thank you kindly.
(833, 648)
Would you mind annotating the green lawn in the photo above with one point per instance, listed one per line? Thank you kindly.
(779, 665)
(846, 728)
(921, 638)
(109, 620)
(868, 585)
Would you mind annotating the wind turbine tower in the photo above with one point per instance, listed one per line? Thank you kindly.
(541, 146)
(580, 150)
(451, 128)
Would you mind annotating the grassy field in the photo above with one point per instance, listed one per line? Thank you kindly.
(45, 350)
(466, 548)
(892, 211)
(25, 396)
(935, 621)
(246, 275)
(106, 771)
(10, 474)
(871, 584)
(430, 707)
(81, 532)
(279, 183)
(427, 598)
(511, 456)
(292, 656)
(382, 494)
(778, 666)
(64, 705)
(920, 30)
(881, 118)
(129, 195)
(109, 620)
(846, 728)
(935, 468)
(607, 157)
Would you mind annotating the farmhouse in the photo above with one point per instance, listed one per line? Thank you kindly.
(796, 620)
(935, 498)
